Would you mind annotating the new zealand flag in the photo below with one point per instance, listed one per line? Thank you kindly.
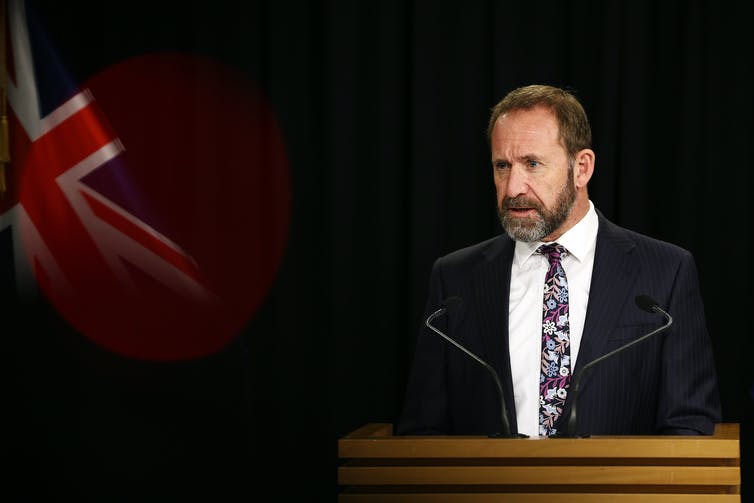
(148, 205)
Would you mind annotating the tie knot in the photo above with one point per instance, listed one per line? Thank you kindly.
(553, 251)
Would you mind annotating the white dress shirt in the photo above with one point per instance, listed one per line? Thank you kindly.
(525, 311)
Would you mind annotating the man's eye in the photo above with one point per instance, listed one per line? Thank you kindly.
(501, 165)
(532, 163)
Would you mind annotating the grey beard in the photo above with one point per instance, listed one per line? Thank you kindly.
(530, 230)
(544, 223)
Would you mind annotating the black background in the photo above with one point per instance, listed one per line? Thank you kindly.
(383, 107)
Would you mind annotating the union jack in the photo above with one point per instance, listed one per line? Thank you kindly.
(65, 236)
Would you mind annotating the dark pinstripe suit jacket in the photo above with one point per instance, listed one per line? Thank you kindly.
(664, 385)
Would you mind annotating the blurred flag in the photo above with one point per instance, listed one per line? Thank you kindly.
(83, 232)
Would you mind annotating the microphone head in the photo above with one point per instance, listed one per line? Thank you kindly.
(646, 303)
(452, 303)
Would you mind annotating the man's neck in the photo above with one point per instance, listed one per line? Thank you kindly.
(579, 211)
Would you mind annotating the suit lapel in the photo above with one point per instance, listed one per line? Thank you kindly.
(612, 276)
(492, 280)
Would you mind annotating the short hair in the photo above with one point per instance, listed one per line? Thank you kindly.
(573, 124)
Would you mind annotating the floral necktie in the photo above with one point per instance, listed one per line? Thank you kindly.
(555, 370)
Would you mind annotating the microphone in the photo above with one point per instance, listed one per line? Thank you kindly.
(645, 303)
(449, 305)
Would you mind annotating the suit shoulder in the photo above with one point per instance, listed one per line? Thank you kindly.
(648, 244)
(473, 254)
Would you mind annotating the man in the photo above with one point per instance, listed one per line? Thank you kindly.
(555, 292)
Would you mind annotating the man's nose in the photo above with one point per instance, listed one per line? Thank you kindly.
(518, 181)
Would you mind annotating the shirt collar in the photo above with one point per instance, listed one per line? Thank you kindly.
(579, 240)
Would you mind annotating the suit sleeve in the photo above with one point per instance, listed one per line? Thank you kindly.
(689, 402)
(425, 408)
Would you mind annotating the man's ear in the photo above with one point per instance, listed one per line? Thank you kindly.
(583, 167)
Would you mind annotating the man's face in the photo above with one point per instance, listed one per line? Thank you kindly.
(533, 176)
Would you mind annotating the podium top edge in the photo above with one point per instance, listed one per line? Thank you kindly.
(376, 440)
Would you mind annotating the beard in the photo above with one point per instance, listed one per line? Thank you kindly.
(544, 222)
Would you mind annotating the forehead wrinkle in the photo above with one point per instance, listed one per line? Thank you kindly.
(521, 157)
(522, 126)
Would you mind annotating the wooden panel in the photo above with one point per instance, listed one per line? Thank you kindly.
(537, 498)
(543, 475)
(376, 466)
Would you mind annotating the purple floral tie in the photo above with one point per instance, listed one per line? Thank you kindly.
(555, 370)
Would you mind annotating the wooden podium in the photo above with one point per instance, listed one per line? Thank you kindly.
(375, 466)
